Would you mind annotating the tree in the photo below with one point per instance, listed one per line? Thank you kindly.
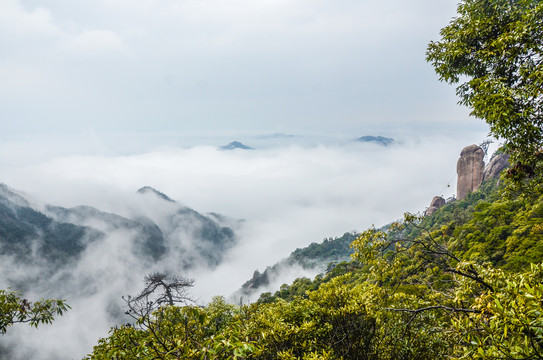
(14, 309)
(423, 265)
(494, 49)
(217, 331)
(174, 290)
(509, 321)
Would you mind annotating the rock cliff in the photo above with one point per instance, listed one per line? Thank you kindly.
(496, 166)
(470, 169)
(436, 203)
(472, 172)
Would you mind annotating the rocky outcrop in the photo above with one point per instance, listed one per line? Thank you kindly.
(436, 203)
(496, 166)
(470, 169)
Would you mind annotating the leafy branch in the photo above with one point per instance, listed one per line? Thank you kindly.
(14, 309)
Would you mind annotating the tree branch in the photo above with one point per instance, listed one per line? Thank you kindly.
(475, 278)
(442, 307)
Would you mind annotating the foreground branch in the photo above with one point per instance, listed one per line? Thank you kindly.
(442, 307)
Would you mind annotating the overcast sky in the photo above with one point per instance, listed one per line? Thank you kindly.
(223, 66)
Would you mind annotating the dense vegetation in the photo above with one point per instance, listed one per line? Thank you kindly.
(456, 284)
(314, 256)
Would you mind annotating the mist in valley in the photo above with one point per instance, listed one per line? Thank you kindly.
(273, 199)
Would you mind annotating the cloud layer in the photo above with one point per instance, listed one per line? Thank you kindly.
(289, 197)
(221, 65)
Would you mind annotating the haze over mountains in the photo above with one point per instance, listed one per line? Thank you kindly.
(60, 235)
(381, 140)
(288, 197)
(238, 123)
(92, 257)
(236, 145)
(369, 139)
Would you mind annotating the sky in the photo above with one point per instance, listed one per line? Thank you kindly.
(111, 69)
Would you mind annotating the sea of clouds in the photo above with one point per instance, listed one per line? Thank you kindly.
(289, 192)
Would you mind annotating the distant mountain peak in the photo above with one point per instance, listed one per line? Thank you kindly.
(381, 140)
(276, 136)
(236, 145)
(148, 189)
(10, 194)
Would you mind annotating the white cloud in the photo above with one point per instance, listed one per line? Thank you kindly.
(21, 28)
(290, 196)
(94, 43)
(139, 5)
(16, 78)
(16, 21)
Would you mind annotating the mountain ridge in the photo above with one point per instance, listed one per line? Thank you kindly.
(380, 140)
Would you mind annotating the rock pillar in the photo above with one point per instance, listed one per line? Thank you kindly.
(470, 169)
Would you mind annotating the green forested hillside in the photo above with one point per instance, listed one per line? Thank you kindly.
(317, 255)
(21, 225)
(456, 284)
(490, 226)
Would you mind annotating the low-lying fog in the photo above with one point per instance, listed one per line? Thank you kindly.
(289, 194)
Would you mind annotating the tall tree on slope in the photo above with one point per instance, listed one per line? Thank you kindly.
(494, 51)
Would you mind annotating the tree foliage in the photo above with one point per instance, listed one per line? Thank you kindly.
(173, 332)
(508, 323)
(340, 320)
(494, 49)
(14, 309)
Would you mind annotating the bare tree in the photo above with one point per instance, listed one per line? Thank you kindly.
(485, 145)
(160, 289)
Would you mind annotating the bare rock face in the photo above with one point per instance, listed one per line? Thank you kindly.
(470, 169)
(436, 203)
(495, 167)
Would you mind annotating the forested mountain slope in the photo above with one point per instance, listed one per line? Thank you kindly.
(316, 256)
(485, 227)
(430, 287)
(57, 236)
(91, 258)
